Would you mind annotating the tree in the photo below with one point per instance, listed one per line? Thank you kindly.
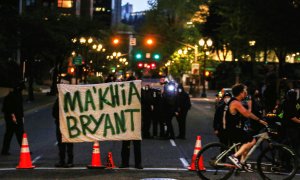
(168, 19)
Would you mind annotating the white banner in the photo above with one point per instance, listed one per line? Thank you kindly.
(100, 112)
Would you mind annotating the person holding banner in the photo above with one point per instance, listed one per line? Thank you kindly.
(125, 152)
(62, 147)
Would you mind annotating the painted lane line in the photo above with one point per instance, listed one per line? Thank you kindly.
(184, 162)
(37, 158)
(172, 142)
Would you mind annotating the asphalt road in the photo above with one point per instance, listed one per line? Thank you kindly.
(160, 158)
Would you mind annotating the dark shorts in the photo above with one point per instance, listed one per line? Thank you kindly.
(239, 135)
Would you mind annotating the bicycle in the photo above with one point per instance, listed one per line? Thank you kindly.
(276, 161)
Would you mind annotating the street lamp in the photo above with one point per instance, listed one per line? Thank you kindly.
(205, 44)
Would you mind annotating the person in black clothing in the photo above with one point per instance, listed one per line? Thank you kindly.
(14, 117)
(125, 152)
(110, 78)
(157, 119)
(62, 147)
(183, 106)
(291, 121)
(258, 110)
(169, 107)
(147, 107)
(219, 123)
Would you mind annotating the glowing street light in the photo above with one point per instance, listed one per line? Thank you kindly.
(205, 44)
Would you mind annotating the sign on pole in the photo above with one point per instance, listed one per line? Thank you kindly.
(195, 68)
(77, 60)
(132, 41)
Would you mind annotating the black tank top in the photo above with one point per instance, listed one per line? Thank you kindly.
(232, 121)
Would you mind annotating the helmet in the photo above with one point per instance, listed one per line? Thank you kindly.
(227, 94)
(291, 94)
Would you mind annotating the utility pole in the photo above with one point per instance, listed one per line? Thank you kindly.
(19, 33)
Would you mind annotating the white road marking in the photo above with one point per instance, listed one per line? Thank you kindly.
(184, 162)
(172, 142)
(37, 158)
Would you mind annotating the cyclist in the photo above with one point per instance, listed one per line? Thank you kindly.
(235, 113)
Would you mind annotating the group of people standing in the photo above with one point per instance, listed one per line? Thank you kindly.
(159, 107)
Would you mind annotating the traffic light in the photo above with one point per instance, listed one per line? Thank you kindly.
(71, 70)
(140, 65)
(207, 73)
(153, 65)
(149, 41)
(156, 56)
(138, 56)
(116, 41)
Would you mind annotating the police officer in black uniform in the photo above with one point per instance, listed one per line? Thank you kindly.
(147, 108)
(62, 147)
(183, 106)
(219, 123)
(169, 107)
(157, 119)
(14, 115)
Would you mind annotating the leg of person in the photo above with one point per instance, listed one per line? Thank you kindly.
(162, 124)
(125, 154)
(19, 130)
(137, 154)
(181, 125)
(70, 154)
(61, 149)
(154, 124)
(147, 125)
(170, 131)
(7, 137)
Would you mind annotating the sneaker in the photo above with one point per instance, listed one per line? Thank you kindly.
(138, 166)
(247, 167)
(60, 164)
(69, 165)
(235, 161)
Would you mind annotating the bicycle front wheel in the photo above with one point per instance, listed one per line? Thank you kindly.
(277, 162)
(211, 165)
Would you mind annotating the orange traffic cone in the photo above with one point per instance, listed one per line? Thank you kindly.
(110, 162)
(192, 167)
(25, 159)
(96, 158)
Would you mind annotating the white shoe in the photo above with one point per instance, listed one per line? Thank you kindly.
(247, 167)
(235, 161)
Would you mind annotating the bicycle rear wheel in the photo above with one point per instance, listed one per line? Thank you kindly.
(209, 166)
(277, 162)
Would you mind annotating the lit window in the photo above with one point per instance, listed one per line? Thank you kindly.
(65, 3)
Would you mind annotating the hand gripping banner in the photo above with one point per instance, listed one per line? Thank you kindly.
(100, 112)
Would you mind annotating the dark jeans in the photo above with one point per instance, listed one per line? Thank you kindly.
(63, 147)
(125, 153)
(181, 119)
(170, 130)
(12, 128)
